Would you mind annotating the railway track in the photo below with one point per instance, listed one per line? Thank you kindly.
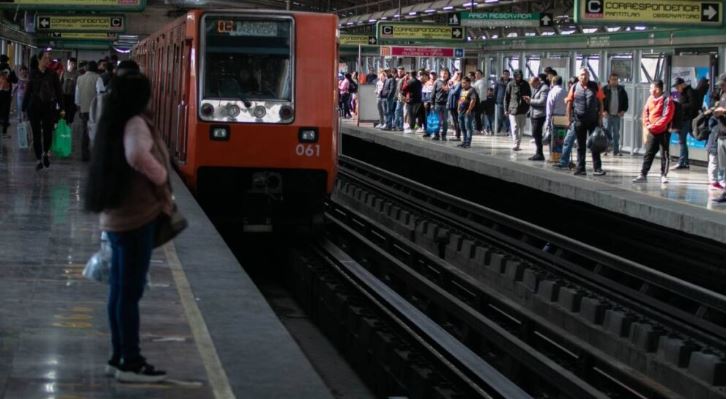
(570, 321)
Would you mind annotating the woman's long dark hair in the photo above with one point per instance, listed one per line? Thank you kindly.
(109, 173)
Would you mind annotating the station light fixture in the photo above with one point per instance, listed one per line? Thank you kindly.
(397, 15)
(469, 4)
(640, 27)
(372, 20)
(412, 13)
(495, 36)
(430, 11)
(492, 1)
(589, 30)
(447, 8)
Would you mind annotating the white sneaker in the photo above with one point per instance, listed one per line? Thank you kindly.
(408, 131)
(420, 130)
(640, 179)
(664, 180)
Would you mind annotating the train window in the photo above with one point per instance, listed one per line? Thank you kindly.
(511, 63)
(532, 65)
(248, 58)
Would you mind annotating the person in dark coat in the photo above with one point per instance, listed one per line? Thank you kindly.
(43, 99)
(689, 106)
(516, 107)
(615, 105)
(7, 80)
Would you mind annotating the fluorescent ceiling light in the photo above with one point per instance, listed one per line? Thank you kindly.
(640, 27)
(430, 10)
(547, 33)
(396, 15)
(447, 8)
(469, 4)
(384, 18)
(589, 30)
(484, 37)
(613, 29)
(512, 34)
(566, 32)
(372, 20)
(412, 13)
(491, 1)
(494, 36)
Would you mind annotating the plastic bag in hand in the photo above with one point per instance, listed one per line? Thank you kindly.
(98, 268)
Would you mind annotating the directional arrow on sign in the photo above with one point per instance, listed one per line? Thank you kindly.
(546, 19)
(372, 40)
(56, 34)
(44, 23)
(456, 33)
(709, 12)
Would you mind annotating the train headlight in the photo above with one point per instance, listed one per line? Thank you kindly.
(308, 135)
(259, 111)
(285, 112)
(233, 110)
(219, 133)
(208, 110)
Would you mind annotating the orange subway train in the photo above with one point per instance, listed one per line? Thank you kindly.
(246, 101)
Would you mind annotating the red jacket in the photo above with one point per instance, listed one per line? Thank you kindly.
(658, 114)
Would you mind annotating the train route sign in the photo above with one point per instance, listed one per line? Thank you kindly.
(80, 23)
(407, 51)
(346, 39)
(418, 32)
(80, 36)
(86, 5)
(499, 19)
(650, 12)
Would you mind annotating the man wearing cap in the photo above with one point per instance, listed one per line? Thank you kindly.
(516, 107)
(689, 108)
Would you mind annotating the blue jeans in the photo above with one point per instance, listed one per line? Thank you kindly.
(488, 121)
(466, 124)
(399, 115)
(390, 112)
(684, 150)
(383, 110)
(443, 114)
(612, 127)
(130, 256)
(502, 123)
(570, 139)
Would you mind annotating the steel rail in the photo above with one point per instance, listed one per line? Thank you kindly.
(678, 304)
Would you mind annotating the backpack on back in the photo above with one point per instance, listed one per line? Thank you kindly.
(700, 125)
(44, 91)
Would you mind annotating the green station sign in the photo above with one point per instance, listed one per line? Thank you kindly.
(704, 13)
(500, 19)
(398, 31)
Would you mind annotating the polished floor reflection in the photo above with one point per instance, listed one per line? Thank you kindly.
(685, 186)
(53, 326)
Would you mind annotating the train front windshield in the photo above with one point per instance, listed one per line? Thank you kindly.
(247, 58)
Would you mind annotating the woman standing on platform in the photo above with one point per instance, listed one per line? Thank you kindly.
(42, 102)
(128, 185)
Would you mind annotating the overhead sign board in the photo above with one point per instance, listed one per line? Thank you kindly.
(80, 23)
(80, 36)
(86, 5)
(346, 39)
(650, 12)
(406, 51)
(414, 32)
(500, 19)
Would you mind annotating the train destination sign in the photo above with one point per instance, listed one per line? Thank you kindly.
(650, 12)
(404, 31)
(80, 23)
(500, 19)
(346, 39)
(402, 51)
(87, 5)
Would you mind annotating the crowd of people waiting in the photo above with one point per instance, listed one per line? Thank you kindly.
(426, 102)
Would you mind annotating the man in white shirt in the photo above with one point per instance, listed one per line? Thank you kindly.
(87, 86)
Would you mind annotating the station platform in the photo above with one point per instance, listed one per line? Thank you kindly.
(203, 320)
(684, 204)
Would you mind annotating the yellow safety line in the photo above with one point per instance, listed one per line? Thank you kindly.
(215, 372)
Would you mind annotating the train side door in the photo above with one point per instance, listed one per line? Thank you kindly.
(182, 52)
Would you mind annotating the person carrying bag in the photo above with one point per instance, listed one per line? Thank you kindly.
(128, 184)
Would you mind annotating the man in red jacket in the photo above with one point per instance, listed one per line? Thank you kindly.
(657, 114)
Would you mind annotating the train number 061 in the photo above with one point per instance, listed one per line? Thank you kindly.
(308, 150)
